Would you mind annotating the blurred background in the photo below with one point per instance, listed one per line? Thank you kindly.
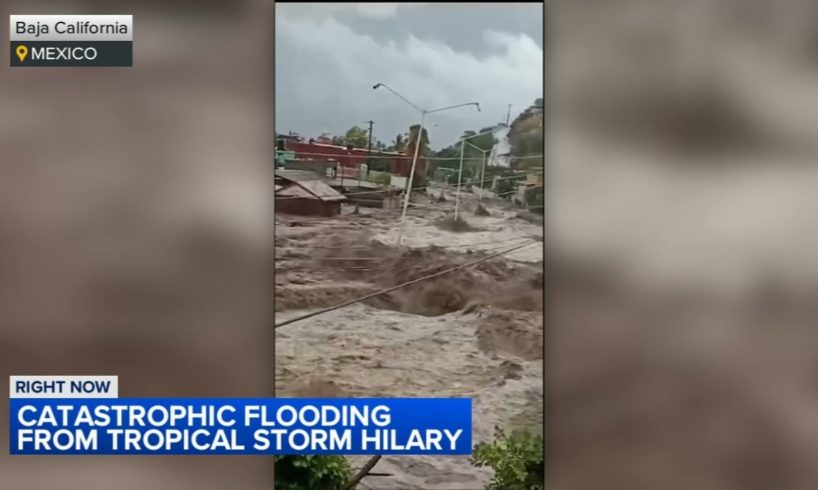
(135, 227)
(682, 216)
(135, 231)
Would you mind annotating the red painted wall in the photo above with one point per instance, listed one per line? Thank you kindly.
(351, 159)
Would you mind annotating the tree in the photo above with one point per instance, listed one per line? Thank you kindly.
(357, 137)
(413, 140)
(379, 162)
(398, 144)
(484, 141)
(452, 152)
(472, 157)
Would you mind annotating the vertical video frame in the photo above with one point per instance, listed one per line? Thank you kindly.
(409, 202)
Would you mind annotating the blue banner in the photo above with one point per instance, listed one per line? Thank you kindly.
(416, 426)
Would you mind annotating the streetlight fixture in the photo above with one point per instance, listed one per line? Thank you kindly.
(463, 143)
(423, 113)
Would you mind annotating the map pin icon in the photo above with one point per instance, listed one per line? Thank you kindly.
(22, 52)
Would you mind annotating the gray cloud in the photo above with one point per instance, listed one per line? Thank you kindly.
(328, 56)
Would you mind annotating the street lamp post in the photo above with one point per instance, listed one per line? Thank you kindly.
(423, 114)
(483, 167)
(369, 154)
(460, 172)
(459, 180)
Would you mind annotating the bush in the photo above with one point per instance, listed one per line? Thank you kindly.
(506, 187)
(311, 472)
(383, 179)
(517, 461)
(379, 164)
(535, 199)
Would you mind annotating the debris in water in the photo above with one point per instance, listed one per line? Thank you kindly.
(449, 223)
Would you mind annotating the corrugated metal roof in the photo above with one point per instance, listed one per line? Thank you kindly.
(322, 190)
(296, 175)
(312, 189)
(294, 190)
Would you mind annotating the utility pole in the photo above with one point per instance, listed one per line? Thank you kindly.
(508, 114)
(459, 180)
(423, 113)
(370, 137)
(369, 153)
(483, 166)
(463, 143)
(482, 175)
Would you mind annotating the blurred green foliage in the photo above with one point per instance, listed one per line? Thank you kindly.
(517, 460)
(311, 472)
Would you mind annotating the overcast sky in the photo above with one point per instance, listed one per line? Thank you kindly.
(328, 57)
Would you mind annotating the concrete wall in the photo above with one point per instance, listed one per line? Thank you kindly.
(308, 207)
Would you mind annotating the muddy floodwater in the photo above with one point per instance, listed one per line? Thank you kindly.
(476, 332)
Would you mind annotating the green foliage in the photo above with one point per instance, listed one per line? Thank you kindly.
(450, 152)
(507, 186)
(311, 472)
(517, 461)
(357, 137)
(398, 144)
(535, 198)
(486, 140)
(383, 179)
(379, 164)
(472, 157)
(506, 183)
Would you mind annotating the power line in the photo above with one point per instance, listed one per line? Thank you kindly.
(517, 190)
(380, 213)
(329, 156)
(399, 286)
(490, 242)
(324, 268)
(371, 259)
(375, 191)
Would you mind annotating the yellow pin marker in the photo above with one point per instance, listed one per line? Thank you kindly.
(22, 52)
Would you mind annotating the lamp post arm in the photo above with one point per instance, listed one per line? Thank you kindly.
(454, 107)
(387, 87)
